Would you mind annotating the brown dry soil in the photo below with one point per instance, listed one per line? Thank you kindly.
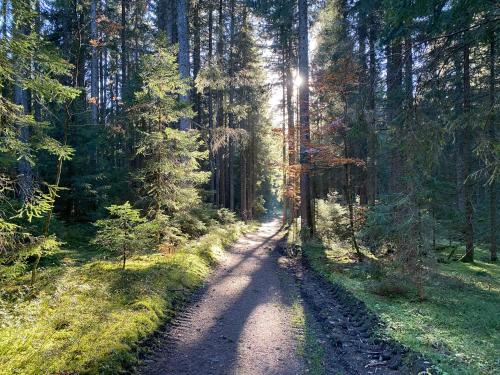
(240, 321)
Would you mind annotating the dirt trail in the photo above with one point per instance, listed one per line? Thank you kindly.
(240, 323)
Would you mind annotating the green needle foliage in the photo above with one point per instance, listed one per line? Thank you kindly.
(125, 232)
(170, 158)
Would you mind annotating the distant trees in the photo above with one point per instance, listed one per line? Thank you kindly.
(419, 115)
(106, 101)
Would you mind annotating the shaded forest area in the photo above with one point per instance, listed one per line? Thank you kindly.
(138, 139)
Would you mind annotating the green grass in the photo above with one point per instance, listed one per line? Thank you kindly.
(88, 316)
(457, 327)
(308, 345)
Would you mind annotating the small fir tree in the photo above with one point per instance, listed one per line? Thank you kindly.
(124, 232)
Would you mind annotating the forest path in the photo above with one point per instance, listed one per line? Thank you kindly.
(240, 322)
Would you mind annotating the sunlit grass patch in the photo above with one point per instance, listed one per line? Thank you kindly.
(308, 346)
(90, 317)
(457, 327)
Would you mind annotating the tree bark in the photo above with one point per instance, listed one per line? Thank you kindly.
(124, 50)
(219, 168)
(284, 135)
(197, 60)
(467, 158)
(166, 19)
(493, 140)
(213, 188)
(394, 107)
(94, 66)
(230, 174)
(305, 192)
(22, 98)
(184, 69)
(408, 72)
(4, 18)
(363, 86)
(372, 135)
(292, 158)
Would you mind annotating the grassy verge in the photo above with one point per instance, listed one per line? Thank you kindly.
(308, 346)
(457, 327)
(88, 316)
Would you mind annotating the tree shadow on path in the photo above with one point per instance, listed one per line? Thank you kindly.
(240, 323)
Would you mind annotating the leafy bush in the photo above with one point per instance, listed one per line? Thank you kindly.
(225, 216)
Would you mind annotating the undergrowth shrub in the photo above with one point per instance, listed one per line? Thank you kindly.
(333, 223)
(259, 207)
(168, 236)
(190, 224)
(376, 270)
(124, 232)
(225, 216)
(390, 287)
(405, 230)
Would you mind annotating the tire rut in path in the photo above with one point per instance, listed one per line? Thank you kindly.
(238, 323)
(349, 331)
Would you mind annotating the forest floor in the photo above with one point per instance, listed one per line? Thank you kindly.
(262, 312)
(456, 327)
(86, 315)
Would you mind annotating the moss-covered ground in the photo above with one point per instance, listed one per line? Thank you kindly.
(87, 316)
(457, 326)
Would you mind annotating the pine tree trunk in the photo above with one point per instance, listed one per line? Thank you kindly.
(102, 84)
(493, 140)
(467, 158)
(243, 184)
(363, 96)
(124, 50)
(231, 119)
(284, 139)
(169, 13)
(94, 66)
(292, 159)
(348, 192)
(219, 174)
(197, 60)
(372, 135)
(184, 69)
(23, 98)
(305, 192)
(25, 182)
(212, 161)
(408, 72)
(4, 18)
(394, 107)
